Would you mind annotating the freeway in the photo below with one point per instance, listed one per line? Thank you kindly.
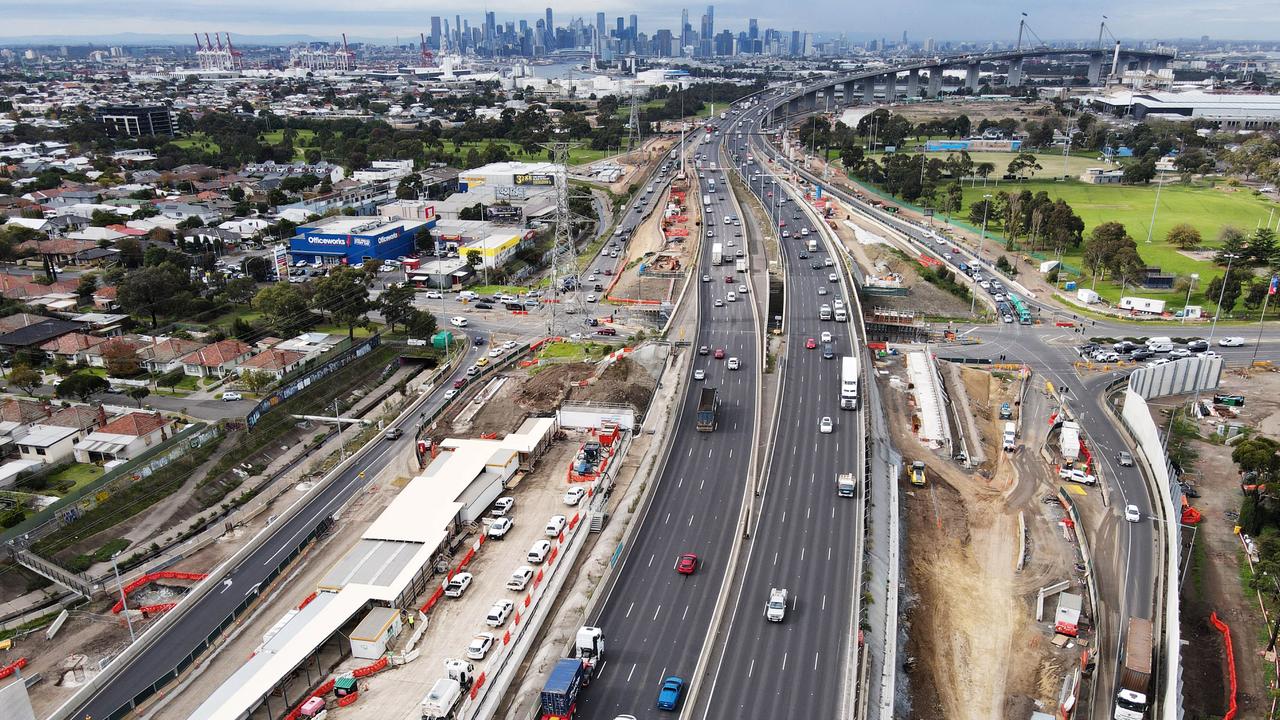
(805, 537)
(655, 620)
(204, 619)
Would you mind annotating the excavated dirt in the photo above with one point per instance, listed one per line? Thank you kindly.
(625, 382)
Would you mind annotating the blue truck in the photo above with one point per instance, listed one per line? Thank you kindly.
(560, 694)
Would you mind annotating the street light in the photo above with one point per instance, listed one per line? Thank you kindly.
(1221, 293)
(124, 601)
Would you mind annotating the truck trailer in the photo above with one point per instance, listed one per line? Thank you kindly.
(708, 408)
(1133, 699)
(440, 703)
(845, 486)
(740, 265)
(717, 253)
(560, 694)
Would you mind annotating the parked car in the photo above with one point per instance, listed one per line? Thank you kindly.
(457, 585)
(498, 614)
(502, 506)
(520, 578)
(574, 495)
(538, 552)
(499, 528)
(479, 646)
(555, 526)
(230, 396)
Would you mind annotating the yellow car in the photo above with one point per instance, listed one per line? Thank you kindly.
(917, 473)
(482, 362)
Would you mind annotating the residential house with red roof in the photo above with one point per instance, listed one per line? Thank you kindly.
(276, 363)
(216, 360)
(124, 438)
(165, 355)
(72, 348)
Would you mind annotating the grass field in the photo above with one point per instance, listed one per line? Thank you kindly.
(199, 141)
(572, 351)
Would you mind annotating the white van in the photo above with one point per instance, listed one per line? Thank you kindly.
(1010, 436)
(731, 296)
(1158, 341)
(1160, 347)
(467, 295)
(458, 321)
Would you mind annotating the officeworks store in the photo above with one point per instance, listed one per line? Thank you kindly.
(346, 240)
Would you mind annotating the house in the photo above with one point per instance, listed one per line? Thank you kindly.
(165, 355)
(122, 346)
(33, 336)
(71, 348)
(49, 444)
(80, 417)
(105, 298)
(276, 363)
(124, 438)
(1101, 176)
(60, 251)
(214, 360)
(17, 321)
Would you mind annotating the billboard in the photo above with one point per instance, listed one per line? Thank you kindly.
(280, 261)
(505, 214)
(537, 179)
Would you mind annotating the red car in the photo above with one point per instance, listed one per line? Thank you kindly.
(728, 279)
(687, 563)
(811, 343)
(719, 353)
(459, 383)
(782, 223)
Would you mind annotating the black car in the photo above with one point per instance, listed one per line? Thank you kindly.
(703, 350)
(483, 306)
(1141, 354)
(815, 266)
(804, 256)
(1198, 345)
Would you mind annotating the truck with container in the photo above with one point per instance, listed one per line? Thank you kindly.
(559, 699)
(1069, 440)
(812, 245)
(841, 314)
(708, 408)
(740, 265)
(717, 253)
(845, 486)
(1133, 699)
(443, 699)
(1066, 619)
(588, 646)
(849, 377)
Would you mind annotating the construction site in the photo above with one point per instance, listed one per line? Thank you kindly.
(660, 252)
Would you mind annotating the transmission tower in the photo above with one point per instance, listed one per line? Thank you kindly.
(564, 253)
(633, 125)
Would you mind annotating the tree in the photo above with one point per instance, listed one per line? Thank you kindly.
(344, 297)
(473, 258)
(138, 392)
(984, 169)
(257, 268)
(120, 358)
(257, 381)
(240, 290)
(1226, 286)
(26, 378)
(1257, 454)
(1232, 242)
(396, 304)
(1184, 236)
(980, 212)
(953, 200)
(149, 289)
(85, 289)
(282, 306)
(420, 324)
(1106, 248)
(1263, 249)
(1256, 294)
(1022, 163)
(82, 386)
(423, 240)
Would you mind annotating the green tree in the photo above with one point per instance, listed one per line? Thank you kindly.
(257, 268)
(1226, 286)
(26, 378)
(1184, 236)
(82, 386)
(1263, 250)
(1257, 454)
(423, 240)
(473, 258)
(282, 306)
(981, 211)
(148, 290)
(257, 381)
(240, 290)
(396, 304)
(138, 393)
(420, 324)
(343, 297)
(1022, 163)
(983, 170)
(86, 287)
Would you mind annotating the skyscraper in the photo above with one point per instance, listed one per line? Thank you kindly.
(490, 30)
(550, 31)
(706, 37)
(435, 32)
(600, 43)
(633, 27)
(685, 30)
(753, 37)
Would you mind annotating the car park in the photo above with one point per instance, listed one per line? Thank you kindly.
(499, 528)
(574, 495)
(498, 614)
(457, 585)
(479, 646)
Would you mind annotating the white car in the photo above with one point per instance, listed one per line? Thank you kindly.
(229, 396)
(458, 321)
(499, 528)
(1231, 342)
(706, 278)
(555, 525)
(591, 298)
(495, 352)
(509, 345)
(574, 495)
(1131, 513)
(719, 302)
(776, 609)
(451, 393)
(1077, 476)
(825, 425)
(733, 364)
(822, 289)
(520, 578)
(831, 277)
(499, 613)
(538, 552)
(742, 289)
(502, 506)
(699, 374)
(1179, 353)
(457, 585)
(433, 295)
(826, 337)
(479, 646)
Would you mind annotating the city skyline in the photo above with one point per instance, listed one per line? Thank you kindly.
(385, 20)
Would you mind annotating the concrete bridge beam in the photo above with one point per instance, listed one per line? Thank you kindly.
(1095, 68)
(850, 91)
(971, 77)
(869, 91)
(913, 83)
(1015, 72)
(890, 87)
(935, 82)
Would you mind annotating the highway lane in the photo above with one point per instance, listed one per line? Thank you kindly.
(203, 619)
(656, 621)
(804, 538)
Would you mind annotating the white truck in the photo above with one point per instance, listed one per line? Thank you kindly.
(813, 245)
(824, 312)
(776, 609)
(1010, 436)
(740, 265)
(1069, 442)
(706, 200)
(444, 698)
(717, 253)
(845, 486)
(841, 315)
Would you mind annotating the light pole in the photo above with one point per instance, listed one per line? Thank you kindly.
(1221, 294)
(124, 601)
(1272, 285)
(1194, 278)
(1151, 227)
(986, 207)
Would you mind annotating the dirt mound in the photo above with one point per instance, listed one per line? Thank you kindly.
(626, 381)
(547, 388)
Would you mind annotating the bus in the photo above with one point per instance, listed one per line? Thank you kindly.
(1024, 315)
(849, 383)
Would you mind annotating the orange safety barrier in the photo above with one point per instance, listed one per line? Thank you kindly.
(878, 345)
(527, 600)
(573, 520)
(152, 577)
(324, 689)
(431, 601)
(466, 559)
(551, 557)
(306, 601)
(506, 638)
(1231, 663)
(370, 669)
(162, 607)
(479, 683)
(346, 700)
(488, 436)
(928, 261)
(537, 579)
(12, 667)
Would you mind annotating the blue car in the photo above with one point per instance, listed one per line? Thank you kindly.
(669, 695)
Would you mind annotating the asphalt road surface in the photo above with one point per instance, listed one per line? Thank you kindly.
(655, 620)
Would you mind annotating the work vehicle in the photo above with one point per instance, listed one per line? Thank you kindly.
(520, 577)
(717, 253)
(1135, 672)
(559, 697)
(1010, 441)
(812, 245)
(457, 585)
(1066, 619)
(845, 486)
(670, 693)
(502, 506)
(1076, 475)
(917, 473)
(708, 408)
(841, 314)
(1006, 412)
(499, 528)
(538, 552)
(1231, 341)
(776, 609)
(499, 612)
(706, 200)
(442, 700)
(555, 526)
(480, 646)
(733, 364)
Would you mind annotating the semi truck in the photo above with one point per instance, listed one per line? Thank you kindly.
(845, 486)
(717, 253)
(560, 693)
(708, 408)
(1132, 700)
(588, 646)
(440, 703)
(849, 383)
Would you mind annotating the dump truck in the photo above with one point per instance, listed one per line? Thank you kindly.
(708, 408)
(1132, 700)
(560, 693)
(440, 703)
(845, 486)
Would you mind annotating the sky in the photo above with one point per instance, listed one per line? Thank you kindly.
(975, 20)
